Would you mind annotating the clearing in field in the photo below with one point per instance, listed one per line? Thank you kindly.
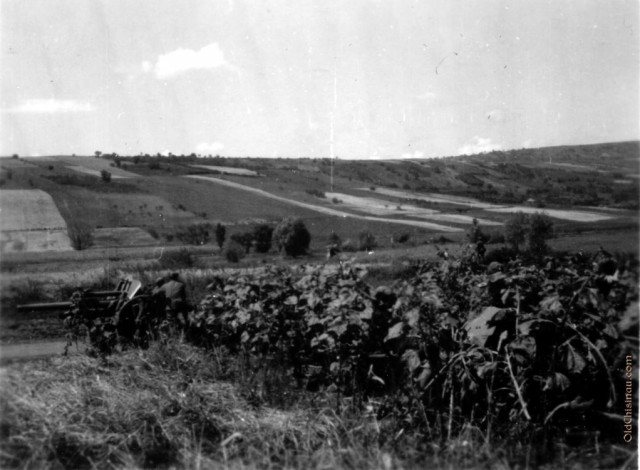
(96, 164)
(389, 208)
(328, 210)
(565, 214)
(228, 170)
(88, 171)
(31, 222)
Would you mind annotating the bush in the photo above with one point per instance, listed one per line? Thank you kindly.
(153, 232)
(243, 239)
(367, 241)
(292, 237)
(316, 193)
(195, 234)
(262, 236)
(503, 254)
(177, 259)
(105, 175)
(234, 252)
(81, 235)
(403, 238)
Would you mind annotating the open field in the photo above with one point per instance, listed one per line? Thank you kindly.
(30, 221)
(330, 211)
(227, 170)
(381, 207)
(89, 171)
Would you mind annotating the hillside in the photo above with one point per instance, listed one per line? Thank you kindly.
(590, 188)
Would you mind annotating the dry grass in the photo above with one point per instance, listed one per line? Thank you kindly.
(168, 407)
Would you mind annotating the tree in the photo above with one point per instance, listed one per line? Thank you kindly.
(475, 234)
(233, 252)
(540, 230)
(262, 236)
(195, 234)
(105, 175)
(335, 240)
(367, 241)
(80, 235)
(516, 230)
(243, 239)
(221, 233)
(97, 153)
(292, 236)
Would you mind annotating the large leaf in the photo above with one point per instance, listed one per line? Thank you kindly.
(394, 332)
(573, 360)
(411, 359)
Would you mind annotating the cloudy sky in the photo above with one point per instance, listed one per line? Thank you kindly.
(357, 78)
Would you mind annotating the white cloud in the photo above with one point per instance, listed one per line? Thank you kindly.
(478, 145)
(209, 148)
(416, 154)
(51, 106)
(182, 60)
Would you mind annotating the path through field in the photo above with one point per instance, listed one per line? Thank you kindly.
(327, 210)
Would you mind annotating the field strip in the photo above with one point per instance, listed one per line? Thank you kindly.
(30, 221)
(327, 210)
(29, 209)
(433, 197)
(384, 207)
(89, 171)
(227, 169)
(565, 214)
(575, 216)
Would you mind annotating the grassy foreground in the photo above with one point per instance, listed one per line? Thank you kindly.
(174, 406)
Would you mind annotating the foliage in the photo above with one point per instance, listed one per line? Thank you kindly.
(234, 252)
(245, 240)
(366, 241)
(105, 176)
(475, 233)
(80, 234)
(176, 259)
(516, 230)
(198, 234)
(262, 235)
(540, 230)
(292, 237)
(221, 232)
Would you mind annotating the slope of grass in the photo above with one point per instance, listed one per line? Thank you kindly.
(173, 406)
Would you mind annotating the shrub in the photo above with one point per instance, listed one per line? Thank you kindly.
(366, 241)
(516, 230)
(316, 193)
(81, 235)
(503, 254)
(292, 237)
(153, 232)
(234, 252)
(197, 234)
(540, 230)
(105, 175)
(403, 238)
(262, 236)
(176, 259)
(243, 239)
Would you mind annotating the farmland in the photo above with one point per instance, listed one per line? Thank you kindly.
(381, 357)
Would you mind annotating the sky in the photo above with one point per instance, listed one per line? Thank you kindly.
(316, 78)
